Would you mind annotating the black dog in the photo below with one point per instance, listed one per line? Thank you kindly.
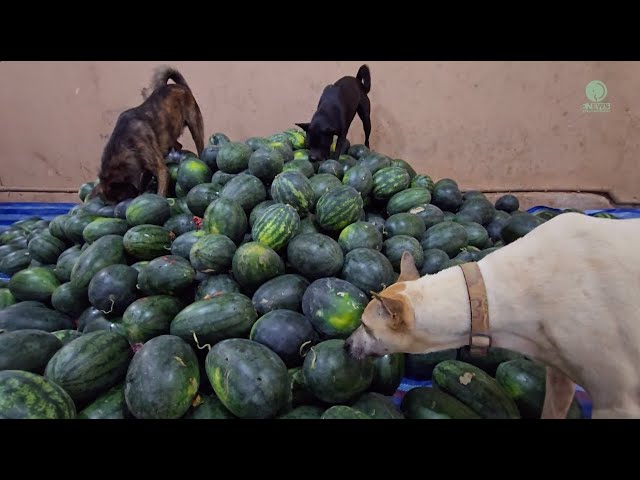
(337, 108)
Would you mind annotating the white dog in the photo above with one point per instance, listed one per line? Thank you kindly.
(566, 294)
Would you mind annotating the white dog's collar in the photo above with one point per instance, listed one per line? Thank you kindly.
(479, 336)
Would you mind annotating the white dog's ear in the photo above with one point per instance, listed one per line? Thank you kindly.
(399, 312)
(408, 270)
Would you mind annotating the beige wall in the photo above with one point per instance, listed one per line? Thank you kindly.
(492, 126)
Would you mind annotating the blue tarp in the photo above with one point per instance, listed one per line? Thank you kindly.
(622, 213)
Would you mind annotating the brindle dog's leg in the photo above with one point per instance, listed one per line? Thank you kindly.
(153, 162)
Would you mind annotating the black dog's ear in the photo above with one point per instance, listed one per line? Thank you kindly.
(303, 126)
(330, 131)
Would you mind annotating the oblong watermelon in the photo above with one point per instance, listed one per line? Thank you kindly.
(25, 395)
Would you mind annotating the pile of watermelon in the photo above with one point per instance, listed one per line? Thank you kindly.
(232, 298)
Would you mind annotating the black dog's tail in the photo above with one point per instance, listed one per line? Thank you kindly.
(161, 76)
(364, 75)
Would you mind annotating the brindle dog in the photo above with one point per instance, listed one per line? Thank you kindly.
(144, 135)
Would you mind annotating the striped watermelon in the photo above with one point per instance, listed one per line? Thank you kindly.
(25, 395)
(389, 181)
(293, 188)
(338, 208)
(146, 242)
(90, 364)
(276, 226)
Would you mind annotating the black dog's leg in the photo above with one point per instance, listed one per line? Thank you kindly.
(364, 112)
(341, 145)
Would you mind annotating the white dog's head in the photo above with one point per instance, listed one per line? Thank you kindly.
(388, 319)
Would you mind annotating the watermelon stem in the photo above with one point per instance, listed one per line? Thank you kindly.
(112, 304)
(195, 337)
(302, 346)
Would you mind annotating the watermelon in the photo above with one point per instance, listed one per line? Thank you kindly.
(347, 162)
(105, 251)
(148, 209)
(388, 373)
(15, 261)
(303, 412)
(289, 334)
(357, 151)
(475, 388)
(315, 255)
(66, 261)
(405, 224)
(192, 172)
(394, 247)
(303, 166)
(331, 167)
(208, 407)
(209, 155)
(257, 211)
(104, 226)
(284, 148)
(398, 162)
(338, 208)
(253, 264)
(433, 260)
(430, 214)
(360, 178)
(200, 196)
(32, 315)
(322, 183)
(166, 275)
(221, 178)
(113, 289)
(377, 406)
(343, 412)
(334, 307)
(449, 237)
(424, 403)
(265, 164)
(90, 364)
(422, 181)
(518, 226)
(507, 203)
(233, 157)
(66, 336)
(25, 395)
(256, 143)
(225, 217)
(367, 269)
(69, 300)
(182, 245)
(76, 225)
(293, 188)
(146, 242)
(276, 226)
(407, 200)
(246, 190)
(446, 196)
(111, 405)
(248, 378)
(215, 285)
(27, 350)
(35, 283)
(212, 254)
(6, 298)
(181, 223)
(162, 380)
(283, 292)
(218, 139)
(333, 375)
(389, 181)
(360, 235)
(45, 248)
(150, 317)
(209, 321)
(374, 161)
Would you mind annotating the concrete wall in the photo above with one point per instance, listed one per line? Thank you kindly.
(493, 126)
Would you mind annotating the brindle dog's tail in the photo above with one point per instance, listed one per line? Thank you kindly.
(161, 76)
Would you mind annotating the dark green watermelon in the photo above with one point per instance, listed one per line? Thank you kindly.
(315, 255)
(283, 292)
(367, 269)
(113, 289)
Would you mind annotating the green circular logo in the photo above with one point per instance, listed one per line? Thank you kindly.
(596, 91)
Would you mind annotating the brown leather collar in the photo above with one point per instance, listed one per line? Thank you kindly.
(479, 337)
